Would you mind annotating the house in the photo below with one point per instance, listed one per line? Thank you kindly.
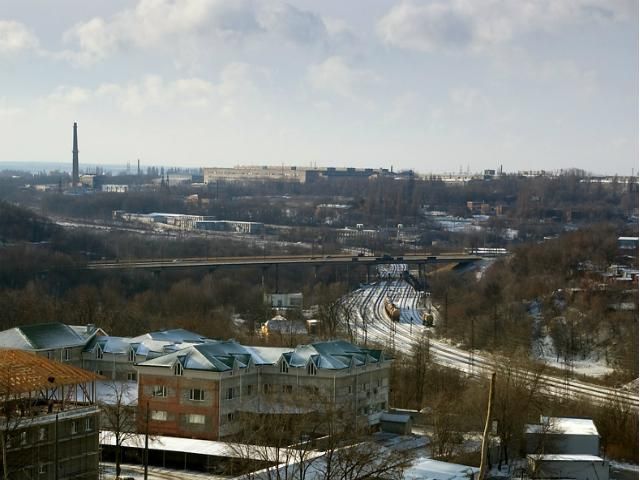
(199, 391)
(49, 420)
(281, 325)
(562, 435)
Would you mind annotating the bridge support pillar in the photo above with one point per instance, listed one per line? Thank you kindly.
(277, 278)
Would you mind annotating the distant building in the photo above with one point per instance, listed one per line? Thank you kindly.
(200, 391)
(284, 300)
(628, 243)
(112, 188)
(294, 174)
(283, 326)
(48, 432)
(254, 228)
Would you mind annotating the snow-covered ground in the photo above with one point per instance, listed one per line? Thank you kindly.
(545, 351)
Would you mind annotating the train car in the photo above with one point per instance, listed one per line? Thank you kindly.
(392, 311)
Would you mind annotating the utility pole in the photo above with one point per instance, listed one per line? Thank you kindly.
(146, 443)
(487, 424)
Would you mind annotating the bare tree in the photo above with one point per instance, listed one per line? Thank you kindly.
(118, 417)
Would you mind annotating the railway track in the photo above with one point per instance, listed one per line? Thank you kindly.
(402, 336)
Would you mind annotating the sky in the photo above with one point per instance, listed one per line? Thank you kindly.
(433, 86)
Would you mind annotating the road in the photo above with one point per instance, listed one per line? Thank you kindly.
(334, 259)
(370, 324)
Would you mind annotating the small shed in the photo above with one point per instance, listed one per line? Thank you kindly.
(563, 435)
(400, 424)
(583, 467)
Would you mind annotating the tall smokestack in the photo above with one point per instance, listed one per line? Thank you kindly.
(75, 175)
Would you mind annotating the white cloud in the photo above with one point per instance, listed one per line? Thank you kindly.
(336, 76)
(15, 37)
(70, 95)
(157, 23)
(238, 86)
(470, 24)
(298, 26)
(167, 24)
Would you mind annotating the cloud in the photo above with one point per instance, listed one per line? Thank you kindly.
(162, 24)
(336, 76)
(474, 25)
(70, 95)
(237, 86)
(157, 23)
(15, 37)
(298, 26)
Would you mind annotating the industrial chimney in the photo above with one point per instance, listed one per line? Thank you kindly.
(76, 177)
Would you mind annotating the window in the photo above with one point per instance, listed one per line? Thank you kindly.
(229, 393)
(132, 376)
(349, 389)
(249, 390)
(177, 369)
(132, 355)
(284, 368)
(266, 388)
(196, 394)
(196, 418)
(74, 427)
(42, 434)
(311, 369)
(99, 372)
(231, 417)
(99, 353)
(159, 391)
(287, 388)
(88, 424)
(67, 354)
(23, 438)
(159, 415)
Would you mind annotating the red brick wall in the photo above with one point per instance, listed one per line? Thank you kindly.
(177, 405)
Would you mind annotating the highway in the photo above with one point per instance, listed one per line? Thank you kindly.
(333, 259)
(369, 324)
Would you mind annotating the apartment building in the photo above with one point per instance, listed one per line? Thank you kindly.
(115, 357)
(49, 421)
(54, 341)
(201, 391)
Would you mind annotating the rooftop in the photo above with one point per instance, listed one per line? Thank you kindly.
(220, 356)
(564, 425)
(24, 372)
(565, 458)
(46, 336)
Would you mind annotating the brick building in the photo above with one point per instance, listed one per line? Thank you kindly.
(200, 391)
